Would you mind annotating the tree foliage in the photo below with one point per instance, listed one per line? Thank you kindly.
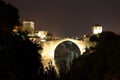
(19, 57)
(103, 63)
(9, 16)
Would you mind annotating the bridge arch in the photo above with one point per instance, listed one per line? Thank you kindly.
(77, 43)
(63, 58)
(65, 49)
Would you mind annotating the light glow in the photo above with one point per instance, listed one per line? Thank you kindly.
(97, 29)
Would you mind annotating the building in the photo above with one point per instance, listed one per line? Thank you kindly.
(96, 29)
(28, 26)
(42, 35)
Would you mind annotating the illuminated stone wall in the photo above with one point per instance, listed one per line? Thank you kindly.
(28, 26)
(97, 29)
(50, 46)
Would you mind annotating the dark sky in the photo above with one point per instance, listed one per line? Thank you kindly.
(70, 17)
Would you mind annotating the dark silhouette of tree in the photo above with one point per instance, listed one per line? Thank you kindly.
(50, 72)
(103, 63)
(108, 48)
(49, 36)
(19, 57)
(93, 38)
(9, 17)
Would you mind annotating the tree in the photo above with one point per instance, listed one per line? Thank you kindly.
(19, 57)
(9, 17)
(103, 63)
(50, 72)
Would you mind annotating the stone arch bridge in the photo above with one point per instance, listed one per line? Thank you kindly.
(49, 47)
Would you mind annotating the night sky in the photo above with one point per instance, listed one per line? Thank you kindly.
(70, 17)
